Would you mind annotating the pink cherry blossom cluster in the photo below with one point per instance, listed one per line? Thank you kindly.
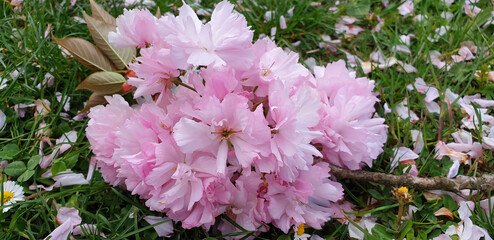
(227, 126)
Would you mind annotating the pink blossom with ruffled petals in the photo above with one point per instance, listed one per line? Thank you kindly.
(216, 82)
(351, 136)
(306, 200)
(292, 119)
(225, 39)
(221, 124)
(101, 132)
(135, 28)
(277, 65)
(155, 72)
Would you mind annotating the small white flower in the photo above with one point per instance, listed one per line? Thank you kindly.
(11, 194)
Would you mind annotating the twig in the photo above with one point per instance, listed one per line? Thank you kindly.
(483, 183)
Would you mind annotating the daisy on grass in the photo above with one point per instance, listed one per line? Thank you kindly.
(11, 194)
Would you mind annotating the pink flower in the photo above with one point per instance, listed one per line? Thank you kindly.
(101, 132)
(292, 119)
(289, 203)
(247, 202)
(155, 72)
(223, 126)
(276, 65)
(351, 136)
(135, 28)
(217, 82)
(225, 39)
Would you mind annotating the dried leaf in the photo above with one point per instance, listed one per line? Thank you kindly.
(103, 83)
(444, 212)
(102, 15)
(94, 100)
(432, 196)
(120, 57)
(86, 53)
(158, 13)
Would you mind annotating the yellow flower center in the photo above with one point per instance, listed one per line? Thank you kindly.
(7, 196)
(403, 191)
(300, 229)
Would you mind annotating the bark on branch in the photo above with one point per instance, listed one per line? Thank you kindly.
(484, 183)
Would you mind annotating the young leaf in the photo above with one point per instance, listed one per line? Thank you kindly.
(9, 151)
(94, 100)
(99, 30)
(100, 14)
(86, 53)
(103, 83)
(33, 162)
(15, 169)
(58, 167)
(26, 175)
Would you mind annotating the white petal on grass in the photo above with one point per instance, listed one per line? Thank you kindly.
(409, 68)
(165, 229)
(401, 48)
(406, 7)
(418, 141)
(433, 107)
(3, 120)
(447, 15)
(402, 110)
(283, 22)
(402, 154)
(367, 223)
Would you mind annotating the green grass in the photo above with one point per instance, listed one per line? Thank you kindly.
(25, 49)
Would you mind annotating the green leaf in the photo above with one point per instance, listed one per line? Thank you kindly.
(86, 53)
(15, 169)
(284, 237)
(33, 162)
(449, 203)
(359, 8)
(375, 194)
(380, 232)
(103, 82)
(71, 161)
(99, 30)
(58, 167)
(26, 175)
(9, 151)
